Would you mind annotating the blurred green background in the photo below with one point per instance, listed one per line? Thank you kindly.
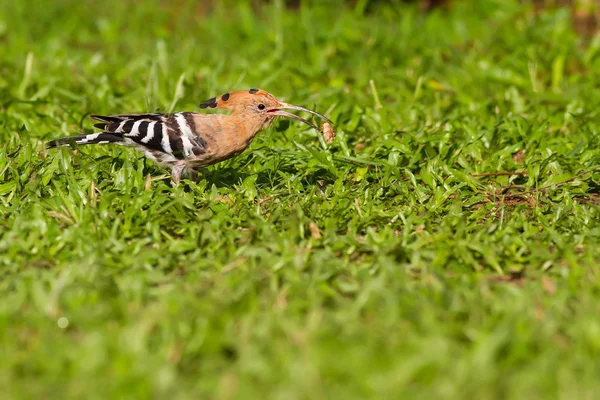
(446, 245)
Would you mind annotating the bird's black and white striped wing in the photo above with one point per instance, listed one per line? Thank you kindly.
(171, 134)
(163, 137)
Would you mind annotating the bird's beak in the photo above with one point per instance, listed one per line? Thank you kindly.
(280, 112)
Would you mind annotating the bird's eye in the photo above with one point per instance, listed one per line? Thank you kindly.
(261, 106)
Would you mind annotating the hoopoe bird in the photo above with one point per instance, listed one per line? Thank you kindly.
(187, 141)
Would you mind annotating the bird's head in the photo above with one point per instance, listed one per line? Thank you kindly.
(258, 105)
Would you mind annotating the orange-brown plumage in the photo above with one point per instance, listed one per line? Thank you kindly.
(187, 141)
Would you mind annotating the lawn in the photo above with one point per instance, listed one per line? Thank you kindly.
(445, 246)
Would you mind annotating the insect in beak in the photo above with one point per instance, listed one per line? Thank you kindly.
(280, 112)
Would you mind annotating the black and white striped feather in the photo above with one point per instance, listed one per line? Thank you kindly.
(165, 138)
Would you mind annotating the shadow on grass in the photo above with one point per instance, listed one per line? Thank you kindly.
(225, 177)
(228, 177)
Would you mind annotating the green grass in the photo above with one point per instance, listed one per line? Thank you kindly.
(382, 266)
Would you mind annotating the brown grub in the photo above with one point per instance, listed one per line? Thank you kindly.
(328, 132)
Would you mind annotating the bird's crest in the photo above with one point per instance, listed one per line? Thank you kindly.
(242, 98)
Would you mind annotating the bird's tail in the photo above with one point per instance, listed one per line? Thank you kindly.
(92, 138)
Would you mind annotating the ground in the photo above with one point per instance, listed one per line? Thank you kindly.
(446, 245)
